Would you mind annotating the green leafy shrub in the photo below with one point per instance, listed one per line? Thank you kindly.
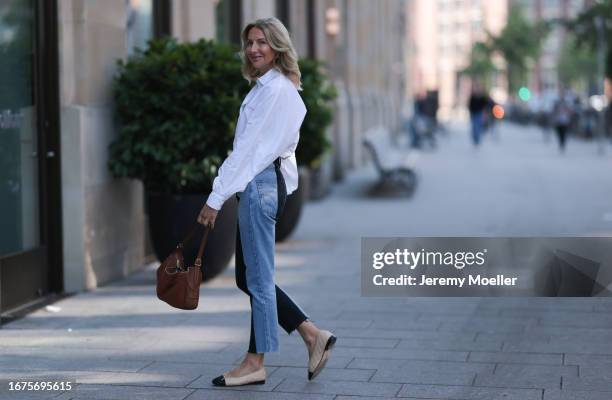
(176, 105)
(317, 95)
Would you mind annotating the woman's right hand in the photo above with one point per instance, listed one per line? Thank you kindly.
(207, 216)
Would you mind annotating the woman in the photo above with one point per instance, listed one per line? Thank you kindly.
(262, 170)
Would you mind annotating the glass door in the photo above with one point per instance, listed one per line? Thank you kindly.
(19, 208)
(24, 270)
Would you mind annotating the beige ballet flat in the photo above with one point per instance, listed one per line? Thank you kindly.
(324, 342)
(254, 378)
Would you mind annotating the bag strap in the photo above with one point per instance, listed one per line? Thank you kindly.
(198, 260)
(187, 238)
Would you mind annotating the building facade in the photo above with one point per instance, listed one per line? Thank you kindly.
(442, 33)
(68, 226)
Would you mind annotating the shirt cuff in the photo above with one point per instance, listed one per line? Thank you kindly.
(215, 201)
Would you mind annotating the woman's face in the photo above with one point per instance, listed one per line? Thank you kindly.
(258, 51)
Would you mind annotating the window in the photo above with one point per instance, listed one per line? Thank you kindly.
(139, 24)
(229, 20)
(282, 12)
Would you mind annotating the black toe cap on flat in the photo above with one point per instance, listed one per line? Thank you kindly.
(219, 381)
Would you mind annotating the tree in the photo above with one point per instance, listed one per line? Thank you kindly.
(481, 66)
(317, 94)
(584, 27)
(577, 65)
(176, 105)
(520, 43)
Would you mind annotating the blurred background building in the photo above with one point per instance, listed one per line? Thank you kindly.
(442, 33)
(66, 224)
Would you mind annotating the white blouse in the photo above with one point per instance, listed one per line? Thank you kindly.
(268, 127)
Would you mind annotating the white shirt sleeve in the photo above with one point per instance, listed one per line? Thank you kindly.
(272, 127)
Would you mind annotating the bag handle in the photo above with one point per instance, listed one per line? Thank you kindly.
(198, 260)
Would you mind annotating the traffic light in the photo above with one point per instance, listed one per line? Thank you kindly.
(524, 94)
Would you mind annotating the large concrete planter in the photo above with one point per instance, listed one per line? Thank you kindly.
(290, 217)
(171, 217)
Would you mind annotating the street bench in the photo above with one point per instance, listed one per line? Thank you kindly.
(392, 181)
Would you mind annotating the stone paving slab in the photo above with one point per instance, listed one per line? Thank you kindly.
(329, 374)
(599, 383)
(149, 379)
(411, 366)
(252, 395)
(515, 358)
(212, 370)
(551, 370)
(590, 365)
(583, 320)
(86, 363)
(28, 396)
(425, 377)
(189, 353)
(99, 338)
(456, 344)
(112, 392)
(370, 342)
(556, 394)
(294, 385)
(480, 325)
(400, 354)
(574, 346)
(407, 324)
(376, 398)
(406, 334)
(541, 380)
(468, 393)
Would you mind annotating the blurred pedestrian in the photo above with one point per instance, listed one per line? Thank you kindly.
(562, 117)
(477, 106)
(261, 171)
(418, 123)
(488, 120)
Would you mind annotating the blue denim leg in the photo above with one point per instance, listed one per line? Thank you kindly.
(256, 217)
(477, 122)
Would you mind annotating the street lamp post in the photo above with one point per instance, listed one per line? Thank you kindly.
(601, 51)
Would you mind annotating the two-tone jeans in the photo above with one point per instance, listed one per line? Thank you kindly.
(259, 207)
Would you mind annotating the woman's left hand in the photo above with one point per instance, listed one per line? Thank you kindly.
(208, 216)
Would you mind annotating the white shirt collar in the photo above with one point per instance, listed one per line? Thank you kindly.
(267, 77)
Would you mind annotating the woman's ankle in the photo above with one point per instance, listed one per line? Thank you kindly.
(254, 360)
(308, 331)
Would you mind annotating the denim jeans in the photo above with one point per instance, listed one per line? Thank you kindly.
(259, 206)
(477, 126)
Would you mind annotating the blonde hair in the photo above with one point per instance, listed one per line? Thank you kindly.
(277, 36)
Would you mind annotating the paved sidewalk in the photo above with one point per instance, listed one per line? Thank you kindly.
(120, 342)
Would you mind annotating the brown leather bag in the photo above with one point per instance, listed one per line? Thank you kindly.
(177, 285)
